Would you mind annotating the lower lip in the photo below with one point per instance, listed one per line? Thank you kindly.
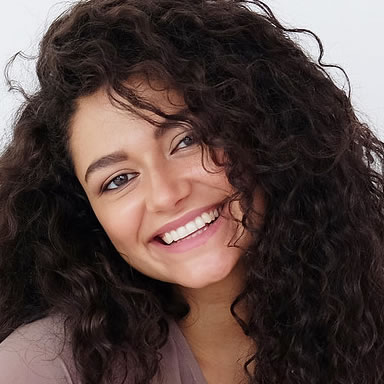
(193, 242)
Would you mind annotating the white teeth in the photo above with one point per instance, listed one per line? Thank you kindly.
(206, 217)
(174, 235)
(199, 222)
(191, 227)
(168, 238)
(181, 232)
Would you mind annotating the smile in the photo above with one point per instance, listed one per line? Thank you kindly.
(196, 238)
(192, 228)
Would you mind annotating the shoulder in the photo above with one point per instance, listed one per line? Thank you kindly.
(37, 353)
(41, 353)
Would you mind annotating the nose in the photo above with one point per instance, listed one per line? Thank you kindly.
(166, 188)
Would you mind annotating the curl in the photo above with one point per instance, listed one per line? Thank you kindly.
(314, 283)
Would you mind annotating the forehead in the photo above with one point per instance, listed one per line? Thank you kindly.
(155, 92)
(99, 127)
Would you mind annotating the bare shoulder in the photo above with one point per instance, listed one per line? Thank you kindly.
(37, 353)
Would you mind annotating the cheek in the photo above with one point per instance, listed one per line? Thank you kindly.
(213, 176)
(121, 223)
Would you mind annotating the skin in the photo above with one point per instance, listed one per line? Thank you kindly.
(168, 181)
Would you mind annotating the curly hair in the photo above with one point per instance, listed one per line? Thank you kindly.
(315, 270)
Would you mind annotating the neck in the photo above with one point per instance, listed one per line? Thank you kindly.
(211, 330)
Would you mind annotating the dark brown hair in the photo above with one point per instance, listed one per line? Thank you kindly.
(315, 281)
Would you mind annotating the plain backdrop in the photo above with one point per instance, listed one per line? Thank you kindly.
(350, 30)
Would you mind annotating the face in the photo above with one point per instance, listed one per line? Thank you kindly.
(149, 190)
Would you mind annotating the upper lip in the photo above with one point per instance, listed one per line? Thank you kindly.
(173, 225)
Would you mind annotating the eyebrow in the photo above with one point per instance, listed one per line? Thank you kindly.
(116, 157)
(105, 161)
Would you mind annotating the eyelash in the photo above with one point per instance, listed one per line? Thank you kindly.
(106, 188)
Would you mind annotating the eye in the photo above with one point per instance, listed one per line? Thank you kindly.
(119, 181)
(186, 141)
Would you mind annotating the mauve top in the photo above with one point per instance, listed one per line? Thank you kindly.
(35, 354)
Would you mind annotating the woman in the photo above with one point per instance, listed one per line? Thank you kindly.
(187, 198)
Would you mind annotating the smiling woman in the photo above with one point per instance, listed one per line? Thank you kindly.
(137, 180)
(188, 198)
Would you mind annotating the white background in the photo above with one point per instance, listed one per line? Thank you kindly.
(349, 29)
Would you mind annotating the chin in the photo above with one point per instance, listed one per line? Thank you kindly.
(206, 277)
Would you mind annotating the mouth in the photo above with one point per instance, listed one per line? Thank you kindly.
(192, 229)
